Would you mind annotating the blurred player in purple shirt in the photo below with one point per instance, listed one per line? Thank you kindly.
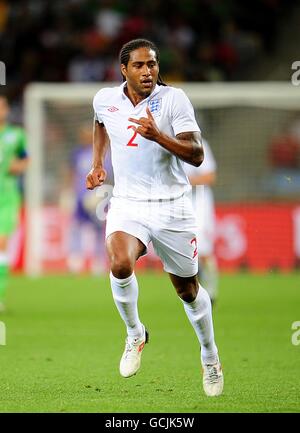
(86, 251)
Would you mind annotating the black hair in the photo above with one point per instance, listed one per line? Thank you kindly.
(125, 51)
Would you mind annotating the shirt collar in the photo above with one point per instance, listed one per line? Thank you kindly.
(155, 91)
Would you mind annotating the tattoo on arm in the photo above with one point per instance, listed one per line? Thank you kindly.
(195, 139)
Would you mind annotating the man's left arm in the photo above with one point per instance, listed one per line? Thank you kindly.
(20, 163)
(186, 145)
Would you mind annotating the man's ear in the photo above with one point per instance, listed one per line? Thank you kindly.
(123, 70)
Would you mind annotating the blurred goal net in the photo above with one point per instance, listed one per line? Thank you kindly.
(253, 130)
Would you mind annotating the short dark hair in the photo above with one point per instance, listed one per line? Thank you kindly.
(134, 44)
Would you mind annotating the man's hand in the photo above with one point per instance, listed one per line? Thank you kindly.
(147, 126)
(95, 177)
(186, 145)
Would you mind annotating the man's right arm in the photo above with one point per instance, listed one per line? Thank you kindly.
(97, 174)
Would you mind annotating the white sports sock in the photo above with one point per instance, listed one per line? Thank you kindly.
(200, 315)
(125, 293)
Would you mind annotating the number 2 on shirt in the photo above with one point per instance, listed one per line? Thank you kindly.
(194, 241)
(131, 141)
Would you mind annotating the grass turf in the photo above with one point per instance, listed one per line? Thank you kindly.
(65, 339)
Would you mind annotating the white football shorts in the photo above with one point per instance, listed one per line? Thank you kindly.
(169, 224)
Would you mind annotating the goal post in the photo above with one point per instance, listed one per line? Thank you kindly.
(36, 97)
(238, 119)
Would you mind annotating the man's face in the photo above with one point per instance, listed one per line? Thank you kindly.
(4, 109)
(141, 72)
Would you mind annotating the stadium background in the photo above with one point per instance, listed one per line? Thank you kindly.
(257, 192)
(257, 150)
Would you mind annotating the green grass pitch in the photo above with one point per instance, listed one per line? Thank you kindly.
(64, 340)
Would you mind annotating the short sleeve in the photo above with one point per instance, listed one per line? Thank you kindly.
(96, 106)
(182, 114)
(96, 118)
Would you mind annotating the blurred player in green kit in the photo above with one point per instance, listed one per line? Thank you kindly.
(13, 162)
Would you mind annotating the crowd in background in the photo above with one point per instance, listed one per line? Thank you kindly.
(77, 40)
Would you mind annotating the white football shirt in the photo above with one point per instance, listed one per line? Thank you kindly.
(144, 170)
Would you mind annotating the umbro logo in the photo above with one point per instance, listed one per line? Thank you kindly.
(112, 109)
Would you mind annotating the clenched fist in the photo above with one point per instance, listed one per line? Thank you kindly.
(95, 177)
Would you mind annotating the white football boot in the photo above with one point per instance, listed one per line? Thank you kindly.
(213, 380)
(131, 358)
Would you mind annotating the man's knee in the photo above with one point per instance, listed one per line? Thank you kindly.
(188, 294)
(121, 266)
(123, 250)
(186, 288)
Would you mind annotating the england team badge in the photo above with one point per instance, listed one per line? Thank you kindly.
(155, 105)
